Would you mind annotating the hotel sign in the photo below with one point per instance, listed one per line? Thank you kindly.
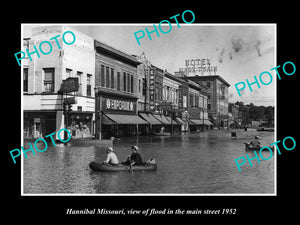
(198, 65)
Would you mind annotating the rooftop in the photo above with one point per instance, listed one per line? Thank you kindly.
(209, 78)
(105, 49)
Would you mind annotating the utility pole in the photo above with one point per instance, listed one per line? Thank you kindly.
(98, 127)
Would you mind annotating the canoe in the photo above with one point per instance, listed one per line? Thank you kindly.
(249, 148)
(265, 129)
(100, 167)
(162, 133)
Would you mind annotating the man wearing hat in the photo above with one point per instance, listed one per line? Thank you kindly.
(255, 143)
(111, 157)
(135, 158)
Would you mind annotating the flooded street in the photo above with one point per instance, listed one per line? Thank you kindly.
(200, 163)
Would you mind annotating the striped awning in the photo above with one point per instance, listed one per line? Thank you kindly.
(162, 119)
(207, 122)
(179, 121)
(122, 119)
(150, 119)
(197, 122)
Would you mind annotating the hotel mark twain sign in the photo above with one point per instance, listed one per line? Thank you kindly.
(198, 65)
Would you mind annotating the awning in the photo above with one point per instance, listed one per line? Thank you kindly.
(124, 119)
(179, 121)
(197, 122)
(169, 119)
(106, 120)
(207, 122)
(150, 119)
(162, 119)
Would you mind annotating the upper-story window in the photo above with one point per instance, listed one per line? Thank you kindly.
(69, 73)
(25, 79)
(79, 75)
(118, 81)
(49, 79)
(88, 85)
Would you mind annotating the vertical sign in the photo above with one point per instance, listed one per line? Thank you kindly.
(180, 103)
(152, 89)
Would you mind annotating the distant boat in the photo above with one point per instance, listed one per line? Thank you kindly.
(162, 133)
(248, 147)
(265, 129)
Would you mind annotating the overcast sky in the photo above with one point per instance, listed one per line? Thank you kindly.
(239, 51)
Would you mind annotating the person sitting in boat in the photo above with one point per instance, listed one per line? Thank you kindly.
(255, 143)
(111, 157)
(135, 158)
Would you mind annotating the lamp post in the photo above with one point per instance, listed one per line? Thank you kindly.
(98, 127)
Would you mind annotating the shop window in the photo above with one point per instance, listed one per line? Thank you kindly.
(88, 85)
(48, 79)
(25, 79)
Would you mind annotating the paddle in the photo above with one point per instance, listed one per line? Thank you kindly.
(130, 166)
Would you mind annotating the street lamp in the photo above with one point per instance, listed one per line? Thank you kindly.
(98, 127)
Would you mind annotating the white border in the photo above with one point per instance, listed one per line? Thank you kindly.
(155, 194)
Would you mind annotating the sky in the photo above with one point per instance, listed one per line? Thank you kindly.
(240, 51)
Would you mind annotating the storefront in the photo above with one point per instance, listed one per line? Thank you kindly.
(80, 124)
(118, 116)
(154, 125)
(38, 124)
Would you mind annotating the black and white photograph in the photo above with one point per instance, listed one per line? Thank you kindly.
(145, 111)
(149, 109)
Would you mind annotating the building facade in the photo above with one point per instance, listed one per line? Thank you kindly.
(42, 80)
(116, 93)
(217, 95)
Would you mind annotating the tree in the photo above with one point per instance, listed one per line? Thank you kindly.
(251, 112)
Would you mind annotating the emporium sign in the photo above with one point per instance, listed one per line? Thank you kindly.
(198, 65)
(118, 105)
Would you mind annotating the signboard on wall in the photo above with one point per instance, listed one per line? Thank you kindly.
(70, 84)
(180, 100)
(152, 89)
(202, 66)
(114, 104)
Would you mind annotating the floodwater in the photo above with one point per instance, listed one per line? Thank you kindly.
(195, 163)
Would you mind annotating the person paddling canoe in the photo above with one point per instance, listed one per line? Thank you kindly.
(135, 158)
(255, 143)
(111, 157)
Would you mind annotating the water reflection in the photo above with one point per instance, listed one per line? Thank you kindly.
(191, 163)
